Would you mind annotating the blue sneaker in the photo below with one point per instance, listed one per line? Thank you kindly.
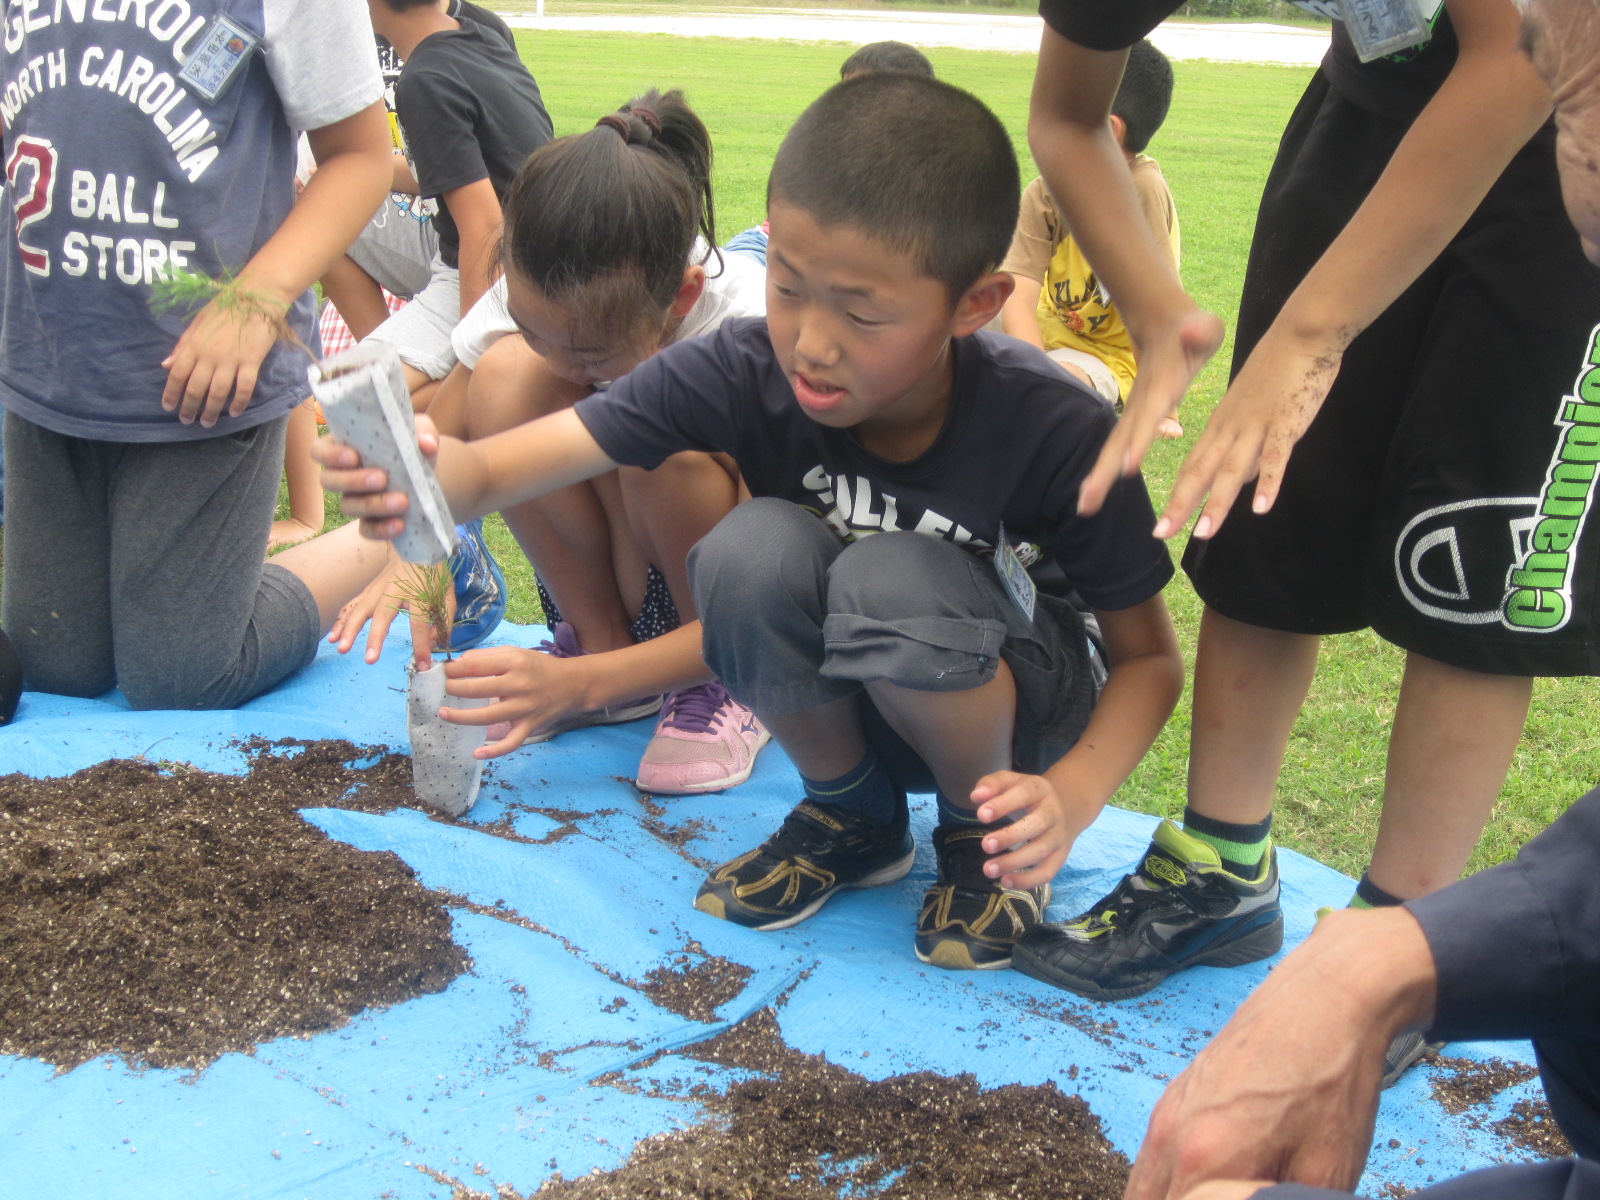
(480, 588)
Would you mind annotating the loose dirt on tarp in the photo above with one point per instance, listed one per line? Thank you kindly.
(168, 915)
(798, 1127)
(1531, 1127)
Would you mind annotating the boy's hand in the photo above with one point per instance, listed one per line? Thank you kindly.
(1269, 406)
(218, 356)
(530, 689)
(1030, 850)
(1169, 359)
(381, 512)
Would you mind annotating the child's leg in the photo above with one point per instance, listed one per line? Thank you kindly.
(1249, 684)
(1455, 733)
(306, 512)
(760, 582)
(705, 740)
(577, 538)
(57, 550)
(356, 295)
(199, 621)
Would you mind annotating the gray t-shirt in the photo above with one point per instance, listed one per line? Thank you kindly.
(119, 173)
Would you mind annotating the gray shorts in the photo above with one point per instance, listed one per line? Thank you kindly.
(140, 566)
(420, 332)
(793, 619)
(396, 249)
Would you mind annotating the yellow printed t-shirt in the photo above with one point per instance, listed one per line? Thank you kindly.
(1075, 310)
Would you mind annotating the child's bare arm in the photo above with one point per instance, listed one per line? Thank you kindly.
(1070, 132)
(1020, 316)
(533, 690)
(478, 477)
(1490, 105)
(477, 214)
(1146, 678)
(220, 352)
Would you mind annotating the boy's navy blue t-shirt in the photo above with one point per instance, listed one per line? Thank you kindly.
(1018, 441)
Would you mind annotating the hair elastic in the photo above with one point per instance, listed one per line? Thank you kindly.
(618, 122)
(649, 117)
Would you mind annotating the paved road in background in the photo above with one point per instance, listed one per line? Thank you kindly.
(1282, 44)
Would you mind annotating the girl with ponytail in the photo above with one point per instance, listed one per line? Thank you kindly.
(609, 254)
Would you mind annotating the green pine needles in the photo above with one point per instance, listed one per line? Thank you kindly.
(425, 590)
(189, 291)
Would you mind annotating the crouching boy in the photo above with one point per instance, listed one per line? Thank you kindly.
(948, 651)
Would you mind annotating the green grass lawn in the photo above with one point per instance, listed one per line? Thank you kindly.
(1215, 149)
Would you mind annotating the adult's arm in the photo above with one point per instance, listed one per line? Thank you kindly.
(1288, 1091)
(1069, 130)
(1491, 103)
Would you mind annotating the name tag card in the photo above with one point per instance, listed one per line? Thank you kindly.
(217, 60)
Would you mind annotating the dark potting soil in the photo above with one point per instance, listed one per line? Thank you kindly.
(803, 1128)
(169, 915)
(1531, 1127)
(1470, 1082)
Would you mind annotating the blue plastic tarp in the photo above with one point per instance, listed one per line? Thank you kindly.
(492, 1081)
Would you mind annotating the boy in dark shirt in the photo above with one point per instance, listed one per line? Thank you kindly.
(868, 404)
(470, 113)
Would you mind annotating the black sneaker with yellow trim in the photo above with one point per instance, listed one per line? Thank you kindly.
(969, 922)
(818, 850)
(1179, 909)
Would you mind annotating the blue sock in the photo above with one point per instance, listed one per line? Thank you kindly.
(867, 790)
(955, 814)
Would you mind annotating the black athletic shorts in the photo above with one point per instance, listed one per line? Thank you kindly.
(1442, 494)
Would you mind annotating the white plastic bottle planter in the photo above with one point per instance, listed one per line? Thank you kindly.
(444, 774)
(364, 396)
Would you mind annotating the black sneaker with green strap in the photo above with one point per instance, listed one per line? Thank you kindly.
(818, 851)
(968, 921)
(1179, 909)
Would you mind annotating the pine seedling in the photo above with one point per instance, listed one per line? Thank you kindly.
(426, 591)
(190, 291)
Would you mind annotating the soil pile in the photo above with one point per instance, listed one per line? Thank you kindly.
(170, 915)
(802, 1128)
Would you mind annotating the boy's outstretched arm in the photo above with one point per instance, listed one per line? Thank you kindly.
(1491, 103)
(1070, 132)
(220, 352)
(479, 477)
(1142, 689)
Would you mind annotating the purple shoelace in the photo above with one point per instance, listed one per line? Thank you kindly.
(691, 710)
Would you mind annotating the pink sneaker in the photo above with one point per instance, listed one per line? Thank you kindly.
(705, 741)
(564, 644)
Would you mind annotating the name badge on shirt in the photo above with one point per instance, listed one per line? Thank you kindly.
(1014, 576)
(1380, 27)
(223, 51)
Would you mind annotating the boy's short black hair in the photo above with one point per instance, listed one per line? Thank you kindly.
(408, 5)
(887, 56)
(1144, 96)
(914, 163)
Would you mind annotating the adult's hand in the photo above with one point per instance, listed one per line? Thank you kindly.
(1288, 1091)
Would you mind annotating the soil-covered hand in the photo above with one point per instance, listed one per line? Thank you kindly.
(1253, 430)
(1030, 850)
(378, 604)
(528, 688)
(218, 357)
(1288, 1091)
(364, 488)
(1169, 360)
